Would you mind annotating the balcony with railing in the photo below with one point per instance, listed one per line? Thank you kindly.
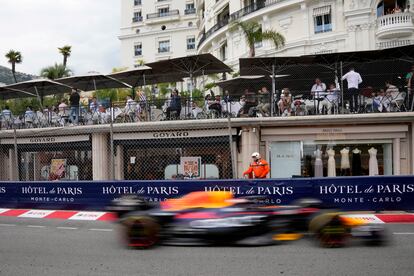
(237, 15)
(394, 43)
(189, 11)
(212, 30)
(395, 25)
(159, 17)
(137, 19)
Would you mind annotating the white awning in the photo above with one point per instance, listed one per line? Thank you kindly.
(322, 11)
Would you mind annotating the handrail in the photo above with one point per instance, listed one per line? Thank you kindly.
(395, 18)
(163, 14)
(237, 15)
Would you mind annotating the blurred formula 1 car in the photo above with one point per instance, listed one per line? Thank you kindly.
(208, 218)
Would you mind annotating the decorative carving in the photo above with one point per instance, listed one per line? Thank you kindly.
(362, 26)
(353, 5)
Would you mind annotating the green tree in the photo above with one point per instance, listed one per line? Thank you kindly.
(253, 34)
(14, 57)
(55, 72)
(65, 51)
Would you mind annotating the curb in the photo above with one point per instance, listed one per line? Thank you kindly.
(57, 214)
(109, 216)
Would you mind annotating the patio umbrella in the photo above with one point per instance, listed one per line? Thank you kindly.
(265, 66)
(190, 66)
(41, 88)
(93, 82)
(9, 93)
(237, 85)
(144, 75)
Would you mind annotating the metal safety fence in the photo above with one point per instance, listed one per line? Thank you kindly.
(297, 90)
(318, 89)
(129, 151)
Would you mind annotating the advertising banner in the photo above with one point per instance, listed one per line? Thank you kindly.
(57, 169)
(346, 193)
(191, 167)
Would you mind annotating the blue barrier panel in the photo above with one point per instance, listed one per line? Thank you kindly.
(347, 193)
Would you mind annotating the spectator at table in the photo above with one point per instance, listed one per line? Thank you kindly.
(318, 93)
(130, 105)
(214, 105)
(6, 117)
(285, 102)
(141, 98)
(6, 112)
(29, 116)
(330, 100)
(63, 107)
(381, 102)
(391, 90)
(249, 103)
(264, 101)
(241, 104)
(93, 106)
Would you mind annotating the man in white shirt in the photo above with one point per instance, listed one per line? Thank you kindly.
(354, 79)
(318, 92)
(132, 109)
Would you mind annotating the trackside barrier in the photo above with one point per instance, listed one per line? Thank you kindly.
(348, 193)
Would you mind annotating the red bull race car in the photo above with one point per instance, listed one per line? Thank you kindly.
(217, 218)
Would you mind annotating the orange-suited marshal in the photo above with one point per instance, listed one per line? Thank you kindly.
(259, 168)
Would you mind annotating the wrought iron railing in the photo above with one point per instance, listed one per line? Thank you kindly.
(212, 30)
(190, 11)
(162, 14)
(237, 15)
(137, 19)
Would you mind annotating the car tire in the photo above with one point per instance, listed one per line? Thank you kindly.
(328, 230)
(141, 232)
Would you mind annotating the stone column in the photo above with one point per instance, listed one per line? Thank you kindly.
(119, 163)
(37, 167)
(411, 155)
(4, 167)
(249, 143)
(396, 156)
(13, 172)
(100, 156)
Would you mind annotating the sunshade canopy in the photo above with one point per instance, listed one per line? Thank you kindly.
(144, 75)
(190, 66)
(91, 82)
(41, 87)
(9, 93)
(375, 67)
(238, 85)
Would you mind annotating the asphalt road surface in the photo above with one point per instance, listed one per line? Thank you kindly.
(57, 247)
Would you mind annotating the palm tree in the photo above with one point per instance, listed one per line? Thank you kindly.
(65, 51)
(14, 57)
(253, 33)
(56, 71)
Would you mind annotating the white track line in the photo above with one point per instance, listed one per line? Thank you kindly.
(403, 233)
(5, 224)
(67, 228)
(101, 230)
(36, 226)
